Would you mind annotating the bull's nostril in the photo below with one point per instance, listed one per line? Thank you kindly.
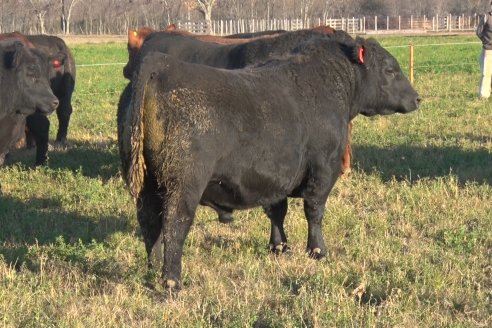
(55, 103)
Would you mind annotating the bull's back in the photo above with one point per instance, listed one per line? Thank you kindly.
(187, 49)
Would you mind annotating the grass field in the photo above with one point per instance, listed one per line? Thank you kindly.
(409, 233)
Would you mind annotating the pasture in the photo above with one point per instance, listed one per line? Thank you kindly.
(409, 233)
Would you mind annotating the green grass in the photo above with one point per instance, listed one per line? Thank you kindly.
(409, 233)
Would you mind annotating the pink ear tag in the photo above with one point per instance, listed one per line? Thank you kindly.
(56, 63)
(361, 55)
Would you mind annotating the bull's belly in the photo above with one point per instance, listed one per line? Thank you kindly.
(249, 189)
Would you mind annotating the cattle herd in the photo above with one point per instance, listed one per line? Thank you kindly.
(228, 122)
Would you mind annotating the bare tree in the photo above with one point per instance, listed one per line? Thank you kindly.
(66, 14)
(305, 7)
(40, 9)
(115, 16)
(205, 7)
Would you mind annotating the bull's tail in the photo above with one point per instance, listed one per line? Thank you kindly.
(137, 168)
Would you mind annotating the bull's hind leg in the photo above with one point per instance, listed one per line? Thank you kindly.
(276, 213)
(149, 209)
(63, 114)
(64, 111)
(181, 207)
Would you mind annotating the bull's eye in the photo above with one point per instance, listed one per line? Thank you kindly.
(32, 72)
(390, 72)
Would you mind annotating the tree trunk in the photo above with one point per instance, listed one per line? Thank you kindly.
(40, 15)
(205, 6)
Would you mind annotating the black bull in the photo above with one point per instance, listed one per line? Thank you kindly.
(231, 56)
(249, 137)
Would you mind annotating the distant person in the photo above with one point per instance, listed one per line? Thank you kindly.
(484, 32)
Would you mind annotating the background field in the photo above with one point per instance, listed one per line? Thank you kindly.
(408, 233)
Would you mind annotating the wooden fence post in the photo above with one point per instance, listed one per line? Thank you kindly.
(410, 63)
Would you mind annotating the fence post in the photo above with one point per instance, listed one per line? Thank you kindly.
(387, 23)
(410, 63)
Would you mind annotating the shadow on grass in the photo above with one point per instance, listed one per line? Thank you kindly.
(411, 163)
(403, 162)
(94, 160)
(40, 221)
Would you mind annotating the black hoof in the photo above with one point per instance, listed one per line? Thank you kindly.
(171, 285)
(60, 144)
(279, 249)
(315, 253)
(226, 218)
(41, 162)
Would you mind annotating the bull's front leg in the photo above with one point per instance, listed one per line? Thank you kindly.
(278, 239)
(315, 195)
(314, 211)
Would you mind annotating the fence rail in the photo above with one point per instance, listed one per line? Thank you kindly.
(355, 25)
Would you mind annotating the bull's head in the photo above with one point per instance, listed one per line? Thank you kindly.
(27, 70)
(384, 88)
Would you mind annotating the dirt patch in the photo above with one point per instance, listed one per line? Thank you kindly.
(77, 39)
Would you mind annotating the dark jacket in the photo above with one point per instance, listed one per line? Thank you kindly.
(486, 35)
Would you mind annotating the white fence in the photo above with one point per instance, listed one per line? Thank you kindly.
(374, 24)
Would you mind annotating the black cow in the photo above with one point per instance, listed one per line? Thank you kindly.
(24, 89)
(249, 137)
(62, 79)
(188, 48)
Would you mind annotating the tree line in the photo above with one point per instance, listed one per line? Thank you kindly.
(116, 16)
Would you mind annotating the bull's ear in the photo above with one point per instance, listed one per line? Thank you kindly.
(171, 27)
(359, 55)
(58, 59)
(132, 36)
(12, 55)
